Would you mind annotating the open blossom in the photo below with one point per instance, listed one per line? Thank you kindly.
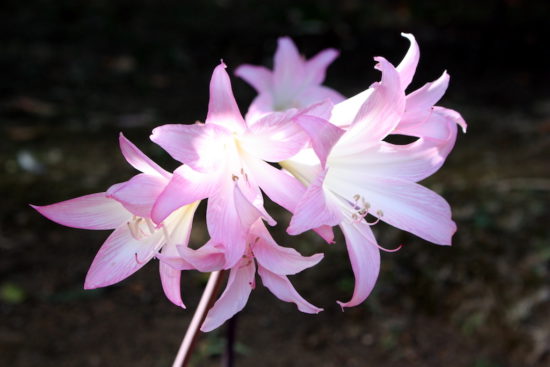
(358, 173)
(126, 208)
(224, 162)
(293, 83)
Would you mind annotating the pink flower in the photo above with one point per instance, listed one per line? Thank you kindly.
(126, 208)
(358, 173)
(224, 162)
(293, 83)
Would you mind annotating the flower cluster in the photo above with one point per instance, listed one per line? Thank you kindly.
(336, 167)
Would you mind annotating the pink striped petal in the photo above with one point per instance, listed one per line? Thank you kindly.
(259, 77)
(121, 256)
(316, 93)
(377, 117)
(364, 256)
(198, 145)
(139, 194)
(94, 211)
(139, 160)
(407, 67)
(281, 287)
(420, 102)
(323, 135)
(315, 209)
(233, 299)
(210, 257)
(185, 187)
(170, 279)
(275, 258)
(222, 107)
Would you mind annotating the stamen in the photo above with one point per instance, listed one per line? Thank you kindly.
(138, 261)
(235, 178)
(390, 249)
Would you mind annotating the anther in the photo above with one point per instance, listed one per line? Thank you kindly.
(139, 261)
(235, 178)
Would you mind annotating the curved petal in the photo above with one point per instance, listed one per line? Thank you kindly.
(364, 256)
(316, 67)
(198, 145)
(344, 112)
(121, 256)
(317, 93)
(234, 298)
(207, 258)
(94, 211)
(139, 193)
(407, 66)
(259, 77)
(170, 279)
(377, 117)
(420, 102)
(281, 287)
(275, 258)
(315, 209)
(185, 187)
(138, 159)
(323, 135)
(222, 107)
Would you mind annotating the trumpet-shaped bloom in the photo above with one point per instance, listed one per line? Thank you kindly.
(225, 162)
(361, 174)
(126, 208)
(274, 264)
(293, 83)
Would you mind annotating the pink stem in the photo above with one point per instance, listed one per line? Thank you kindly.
(207, 299)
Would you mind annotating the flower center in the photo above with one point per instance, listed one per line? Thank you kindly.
(361, 210)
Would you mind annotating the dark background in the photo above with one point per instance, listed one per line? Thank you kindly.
(75, 73)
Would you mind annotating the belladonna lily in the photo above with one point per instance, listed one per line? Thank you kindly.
(358, 173)
(224, 161)
(293, 83)
(126, 208)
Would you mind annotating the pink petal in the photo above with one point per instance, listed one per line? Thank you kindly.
(377, 117)
(95, 211)
(208, 258)
(199, 145)
(316, 93)
(139, 194)
(323, 135)
(278, 185)
(281, 287)
(364, 256)
(138, 160)
(421, 101)
(259, 77)
(288, 71)
(316, 67)
(274, 137)
(224, 224)
(170, 280)
(222, 108)
(185, 187)
(275, 258)
(120, 256)
(260, 106)
(234, 298)
(407, 66)
(315, 209)
(248, 213)
(344, 112)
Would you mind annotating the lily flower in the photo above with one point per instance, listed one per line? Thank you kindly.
(126, 208)
(274, 264)
(293, 83)
(224, 161)
(359, 174)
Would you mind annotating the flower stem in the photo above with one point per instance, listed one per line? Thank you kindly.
(207, 299)
(229, 356)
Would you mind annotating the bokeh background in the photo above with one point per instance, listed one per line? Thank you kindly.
(75, 73)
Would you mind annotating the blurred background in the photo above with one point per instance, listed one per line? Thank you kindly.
(75, 73)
